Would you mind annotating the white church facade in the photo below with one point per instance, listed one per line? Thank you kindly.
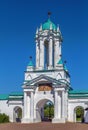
(48, 81)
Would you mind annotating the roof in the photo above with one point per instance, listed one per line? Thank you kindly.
(60, 62)
(78, 94)
(16, 94)
(13, 95)
(71, 94)
(30, 63)
(4, 96)
(44, 79)
(65, 68)
(46, 25)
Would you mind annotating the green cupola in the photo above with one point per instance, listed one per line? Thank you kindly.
(49, 24)
(60, 62)
(30, 63)
(30, 66)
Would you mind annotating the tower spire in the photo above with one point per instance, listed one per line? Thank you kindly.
(49, 14)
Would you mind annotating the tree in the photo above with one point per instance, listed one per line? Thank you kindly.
(49, 110)
(79, 114)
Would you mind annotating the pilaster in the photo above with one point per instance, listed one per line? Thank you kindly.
(25, 104)
(59, 113)
(63, 103)
(32, 107)
(28, 107)
(26, 114)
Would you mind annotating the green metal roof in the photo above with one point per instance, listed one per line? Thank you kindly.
(65, 68)
(78, 97)
(30, 63)
(60, 62)
(78, 92)
(16, 94)
(46, 25)
(4, 97)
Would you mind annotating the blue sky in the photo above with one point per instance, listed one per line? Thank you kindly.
(18, 22)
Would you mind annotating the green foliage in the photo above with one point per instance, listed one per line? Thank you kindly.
(19, 113)
(4, 118)
(49, 110)
(79, 114)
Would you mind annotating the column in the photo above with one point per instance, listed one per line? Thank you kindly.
(37, 55)
(63, 112)
(32, 106)
(50, 53)
(41, 57)
(56, 105)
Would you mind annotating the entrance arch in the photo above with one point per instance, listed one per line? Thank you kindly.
(37, 93)
(17, 114)
(44, 110)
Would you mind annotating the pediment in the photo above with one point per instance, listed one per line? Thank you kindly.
(42, 79)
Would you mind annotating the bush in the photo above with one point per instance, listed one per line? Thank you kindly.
(4, 118)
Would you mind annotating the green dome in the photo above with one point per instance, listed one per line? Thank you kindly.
(30, 63)
(46, 25)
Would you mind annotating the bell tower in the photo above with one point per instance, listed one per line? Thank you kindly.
(49, 80)
(48, 46)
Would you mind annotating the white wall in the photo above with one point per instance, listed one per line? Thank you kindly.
(8, 107)
(72, 104)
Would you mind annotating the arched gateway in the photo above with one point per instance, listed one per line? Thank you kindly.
(49, 80)
(37, 92)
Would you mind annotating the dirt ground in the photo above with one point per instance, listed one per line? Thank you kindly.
(44, 126)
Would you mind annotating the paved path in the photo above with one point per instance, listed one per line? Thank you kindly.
(44, 126)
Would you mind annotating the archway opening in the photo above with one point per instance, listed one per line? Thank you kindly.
(79, 114)
(17, 114)
(47, 56)
(45, 110)
(48, 111)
